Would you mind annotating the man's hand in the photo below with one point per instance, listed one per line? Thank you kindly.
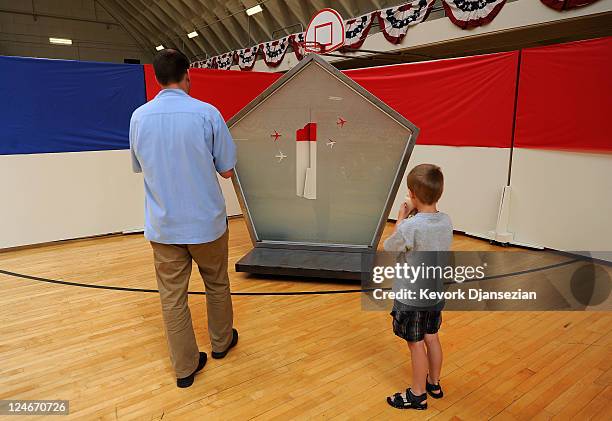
(227, 174)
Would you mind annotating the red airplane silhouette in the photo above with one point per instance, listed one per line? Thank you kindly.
(276, 135)
(341, 122)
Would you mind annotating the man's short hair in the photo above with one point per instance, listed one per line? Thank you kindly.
(170, 66)
(426, 182)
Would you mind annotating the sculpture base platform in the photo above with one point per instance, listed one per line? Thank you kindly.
(305, 263)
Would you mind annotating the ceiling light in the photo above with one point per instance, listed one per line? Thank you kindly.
(60, 41)
(255, 9)
(192, 34)
(159, 47)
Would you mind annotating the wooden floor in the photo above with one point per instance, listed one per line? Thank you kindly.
(312, 356)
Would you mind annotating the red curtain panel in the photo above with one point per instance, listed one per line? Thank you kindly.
(564, 99)
(227, 90)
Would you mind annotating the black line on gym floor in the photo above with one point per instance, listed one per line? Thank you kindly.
(324, 292)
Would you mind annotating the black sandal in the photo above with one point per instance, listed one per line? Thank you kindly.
(434, 390)
(409, 401)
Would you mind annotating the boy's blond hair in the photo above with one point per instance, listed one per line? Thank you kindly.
(426, 182)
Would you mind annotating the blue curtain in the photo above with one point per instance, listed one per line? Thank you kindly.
(49, 106)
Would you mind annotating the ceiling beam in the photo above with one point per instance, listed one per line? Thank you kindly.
(239, 18)
(149, 27)
(308, 9)
(377, 4)
(220, 43)
(186, 17)
(166, 16)
(272, 20)
(266, 33)
(141, 21)
(289, 10)
(199, 12)
(349, 8)
(155, 26)
(228, 32)
(365, 6)
(140, 39)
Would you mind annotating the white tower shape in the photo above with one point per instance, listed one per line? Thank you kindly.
(306, 161)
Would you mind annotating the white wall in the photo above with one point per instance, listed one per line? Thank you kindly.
(49, 197)
(474, 178)
(562, 200)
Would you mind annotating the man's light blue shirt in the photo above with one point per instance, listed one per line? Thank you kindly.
(180, 144)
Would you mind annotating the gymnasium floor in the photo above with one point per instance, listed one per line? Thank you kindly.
(308, 356)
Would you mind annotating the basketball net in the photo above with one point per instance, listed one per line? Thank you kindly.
(312, 47)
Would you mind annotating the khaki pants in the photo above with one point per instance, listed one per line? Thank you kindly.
(173, 269)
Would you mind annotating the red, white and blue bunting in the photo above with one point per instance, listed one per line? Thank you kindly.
(225, 61)
(472, 13)
(247, 57)
(357, 30)
(567, 4)
(297, 44)
(394, 22)
(274, 51)
(211, 63)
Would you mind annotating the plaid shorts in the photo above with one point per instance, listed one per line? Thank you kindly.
(413, 325)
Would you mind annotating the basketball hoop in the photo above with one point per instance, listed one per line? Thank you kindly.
(325, 33)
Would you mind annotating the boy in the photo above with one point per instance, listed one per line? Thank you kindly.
(420, 227)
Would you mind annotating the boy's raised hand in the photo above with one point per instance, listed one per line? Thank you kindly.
(404, 211)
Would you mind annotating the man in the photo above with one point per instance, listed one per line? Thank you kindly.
(180, 144)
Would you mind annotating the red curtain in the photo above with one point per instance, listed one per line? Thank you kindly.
(227, 90)
(458, 102)
(466, 101)
(564, 98)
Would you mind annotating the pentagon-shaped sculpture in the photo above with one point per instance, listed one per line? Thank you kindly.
(320, 160)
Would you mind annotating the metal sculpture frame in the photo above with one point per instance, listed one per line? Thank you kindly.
(316, 60)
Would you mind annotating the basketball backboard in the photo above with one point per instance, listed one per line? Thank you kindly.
(325, 32)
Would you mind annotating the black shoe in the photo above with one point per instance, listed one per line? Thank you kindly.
(219, 355)
(434, 390)
(188, 381)
(408, 401)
